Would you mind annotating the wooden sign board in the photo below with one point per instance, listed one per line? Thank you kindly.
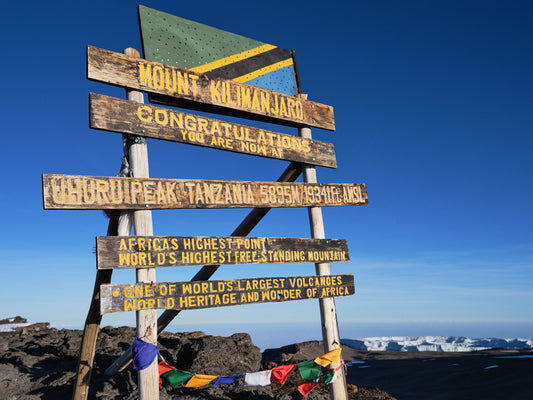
(78, 192)
(207, 294)
(122, 116)
(172, 251)
(175, 83)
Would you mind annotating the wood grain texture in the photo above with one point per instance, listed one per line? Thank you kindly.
(196, 295)
(328, 313)
(122, 116)
(146, 320)
(173, 251)
(91, 192)
(225, 95)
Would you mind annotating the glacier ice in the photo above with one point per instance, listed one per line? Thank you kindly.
(435, 343)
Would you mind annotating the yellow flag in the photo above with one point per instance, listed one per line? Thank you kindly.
(199, 380)
(326, 359)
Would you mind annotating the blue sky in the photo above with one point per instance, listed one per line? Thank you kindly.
(432, 103)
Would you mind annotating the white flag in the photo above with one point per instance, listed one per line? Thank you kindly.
(261, 378)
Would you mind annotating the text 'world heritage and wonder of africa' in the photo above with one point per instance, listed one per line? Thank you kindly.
(207, 294)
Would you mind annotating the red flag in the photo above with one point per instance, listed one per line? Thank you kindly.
(306, 387)
(163, 367)
(281, 373)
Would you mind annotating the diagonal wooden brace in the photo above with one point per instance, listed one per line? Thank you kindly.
(252, 219)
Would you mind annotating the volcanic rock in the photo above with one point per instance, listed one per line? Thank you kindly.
(38, 362)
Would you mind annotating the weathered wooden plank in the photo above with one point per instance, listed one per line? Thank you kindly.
(328, 314)
(173, 251)
(207, 294)
(111, 114)
(79, 192)
(175, 83)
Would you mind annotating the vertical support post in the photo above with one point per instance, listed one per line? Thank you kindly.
(119, 224)
(91, 329)
(328, 315)
(148, 378)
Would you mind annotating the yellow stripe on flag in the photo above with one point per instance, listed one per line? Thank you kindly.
(199, 380)
(328, 358)
(263, 71)
(232, 59)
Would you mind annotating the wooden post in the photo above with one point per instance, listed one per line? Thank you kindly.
(245, 227)
(328, 315)
(119, 224)
(92, 328)
(148, 378)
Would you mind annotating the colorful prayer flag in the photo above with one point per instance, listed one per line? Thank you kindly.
(329, 377)
(143, 354)
(163, 367)
(199, 380)
(306, 387)
(228, 379)
(328, 358)
(281, 373)
(309, 370)
(176, 377)
(261, 378)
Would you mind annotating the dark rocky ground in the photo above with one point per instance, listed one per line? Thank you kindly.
(427, 375)
(37, 362)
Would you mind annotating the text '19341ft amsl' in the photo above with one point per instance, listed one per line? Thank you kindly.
(91, 192)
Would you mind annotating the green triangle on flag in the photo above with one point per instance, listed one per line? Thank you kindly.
(186, 44)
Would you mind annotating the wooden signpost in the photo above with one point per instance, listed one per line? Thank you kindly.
(173, 251)
(122, 116)
(77, 192)
(290, 174)
(226, 95)
(138, 194)
(195, 295)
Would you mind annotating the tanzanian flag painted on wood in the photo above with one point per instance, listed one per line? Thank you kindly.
(185, 44)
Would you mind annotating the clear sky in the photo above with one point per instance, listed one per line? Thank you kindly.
(433, 109)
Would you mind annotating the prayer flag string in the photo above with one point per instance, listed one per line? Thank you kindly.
(310, 372)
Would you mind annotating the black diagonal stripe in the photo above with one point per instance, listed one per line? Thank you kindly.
(243, 67)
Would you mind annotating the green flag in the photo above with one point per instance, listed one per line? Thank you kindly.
(176, 377)
(328, 377)
(309, 370)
